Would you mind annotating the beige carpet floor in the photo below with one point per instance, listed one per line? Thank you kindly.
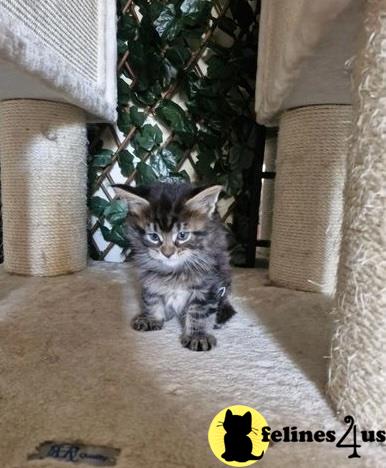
(71, 368)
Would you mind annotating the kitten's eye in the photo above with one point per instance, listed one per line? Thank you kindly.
(153, 237)
(183, 236)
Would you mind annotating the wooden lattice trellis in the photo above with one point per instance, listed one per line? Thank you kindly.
(221, 31)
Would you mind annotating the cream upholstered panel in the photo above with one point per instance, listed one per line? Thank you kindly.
(70, 31)
(303, 49)
(61, 49)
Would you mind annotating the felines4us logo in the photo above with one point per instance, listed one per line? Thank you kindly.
(240, 436)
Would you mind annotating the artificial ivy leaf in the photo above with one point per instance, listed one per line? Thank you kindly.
(178, 56)
(176, 177)
(147, 34)
(176, 118)
(137, 54)
(193, 34)
(206, 152)
(121, 46)
(167, 25)
(218, 49)
(242, 13)
(139, 152)
(209, 138)
(210, 88)
(155, 67)
(97, 206)
(116, 212)
(148, 137)
(234, 156)
(238, 100)
(219, 69)
(195, 11)
(125, 162)
(192, 84)
(127, 28)
(105, 233)
(145, 174)
(103, 158)
(92, 177)
(138, 57)
(149, 10)
(115, 235)
(235, 182)
(232, 182)
(173, 151)
(118, 236)
(137, 117)
(203, 165)
(124, 121)
(227, 25)
(169, 73)
(181, 176)
(155, 9)
(123, 92)
(163, 162)
(147, 97)
(147, 63)
(215, 110)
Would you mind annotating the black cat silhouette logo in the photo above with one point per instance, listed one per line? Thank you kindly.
(235, 436)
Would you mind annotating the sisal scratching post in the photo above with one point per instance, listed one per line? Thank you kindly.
(44, 176)
(311, 166)
(358, 356)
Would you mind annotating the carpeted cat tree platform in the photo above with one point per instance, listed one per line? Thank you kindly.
(72, 369)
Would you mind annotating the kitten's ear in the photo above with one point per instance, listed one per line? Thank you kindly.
(248, 418)
(205, 201)
(228, 414)
(135, 203)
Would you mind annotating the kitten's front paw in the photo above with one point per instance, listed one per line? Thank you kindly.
(198, 342)
(145, 323)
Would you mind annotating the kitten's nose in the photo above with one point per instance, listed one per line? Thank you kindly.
(167, 251)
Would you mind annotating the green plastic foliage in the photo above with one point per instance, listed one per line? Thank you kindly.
(209, 116)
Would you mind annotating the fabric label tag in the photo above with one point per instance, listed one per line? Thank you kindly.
(76, 453)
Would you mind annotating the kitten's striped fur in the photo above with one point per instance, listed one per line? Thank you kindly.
(180, 249)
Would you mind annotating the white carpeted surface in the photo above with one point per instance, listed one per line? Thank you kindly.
(72, 369)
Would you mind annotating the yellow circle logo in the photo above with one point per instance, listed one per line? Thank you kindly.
(235, 436)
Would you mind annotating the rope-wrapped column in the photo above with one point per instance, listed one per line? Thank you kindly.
(357, 380)
(307, 217)
(43, 183)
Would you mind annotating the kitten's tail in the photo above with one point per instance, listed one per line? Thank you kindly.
(225, 312)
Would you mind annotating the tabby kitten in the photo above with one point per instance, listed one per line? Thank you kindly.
(179, 247)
